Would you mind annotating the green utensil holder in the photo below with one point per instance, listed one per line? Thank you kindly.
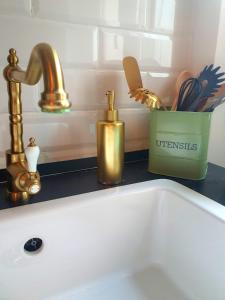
(178, 143)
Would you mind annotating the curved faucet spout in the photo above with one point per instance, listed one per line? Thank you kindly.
(44, 60)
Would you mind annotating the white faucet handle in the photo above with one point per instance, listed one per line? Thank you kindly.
(32, 152)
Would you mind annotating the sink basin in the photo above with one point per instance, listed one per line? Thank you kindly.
(155, 240)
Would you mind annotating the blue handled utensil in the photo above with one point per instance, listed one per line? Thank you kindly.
(189, 91)
(210, 81)
(214, 103)
(194, 92)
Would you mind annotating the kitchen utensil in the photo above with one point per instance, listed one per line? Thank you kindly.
(220, 92)
(184, 75)
(194, 92)
(211, 105)
(133, 77)
(210, 81)
(132, 73)
(189, 91)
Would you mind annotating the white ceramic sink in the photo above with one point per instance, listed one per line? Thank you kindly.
(156, 240)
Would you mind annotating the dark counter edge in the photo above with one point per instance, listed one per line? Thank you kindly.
(73, 177)
(78, 164)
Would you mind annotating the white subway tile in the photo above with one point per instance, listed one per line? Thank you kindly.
(82, 88)
(115, 80)
(169, 16)
(29, 96)
(115, 44)
(3, 95)
(77, 11)
(217, 137)
(127, 13)
(75, 44)
(57, 135)
(183, 19)
(164, 14)
(156, 51)
(124, 13)
(4, 133)
(160, 52)
(15, 7)
(163, 84)
(182, 52)
(73, 135)
(87, 88)
(136, 123)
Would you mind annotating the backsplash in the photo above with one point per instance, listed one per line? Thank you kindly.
(91, 38)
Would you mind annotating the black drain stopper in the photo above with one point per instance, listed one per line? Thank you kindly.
(33, 245)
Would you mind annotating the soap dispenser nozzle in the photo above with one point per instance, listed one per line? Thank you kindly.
(111, 99)
(111, 113)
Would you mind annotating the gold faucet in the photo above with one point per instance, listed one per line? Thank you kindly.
(24, 180)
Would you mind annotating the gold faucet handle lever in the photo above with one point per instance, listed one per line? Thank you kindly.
(32, 152)
(34, 184)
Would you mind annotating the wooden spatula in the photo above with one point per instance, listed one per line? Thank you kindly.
(184, 75)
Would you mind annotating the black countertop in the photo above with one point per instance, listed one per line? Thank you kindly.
(73, 182)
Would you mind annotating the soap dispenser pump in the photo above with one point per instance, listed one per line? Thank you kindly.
(110, 145)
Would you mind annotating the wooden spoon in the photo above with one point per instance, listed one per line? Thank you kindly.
(184, 75)
(219, 94)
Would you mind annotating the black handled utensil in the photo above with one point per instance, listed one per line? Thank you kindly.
(194, 92)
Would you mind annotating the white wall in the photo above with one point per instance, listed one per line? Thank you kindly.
(92, 37)
(208, 46)
(217, 137)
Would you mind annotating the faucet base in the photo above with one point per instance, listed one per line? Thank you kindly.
(18, 196)
(22, 184)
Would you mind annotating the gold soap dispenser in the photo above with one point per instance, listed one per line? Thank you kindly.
(110, 145)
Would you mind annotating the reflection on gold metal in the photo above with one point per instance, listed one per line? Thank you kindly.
(133, 76)
(110, 145)
(43, 60)
(150, 99)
